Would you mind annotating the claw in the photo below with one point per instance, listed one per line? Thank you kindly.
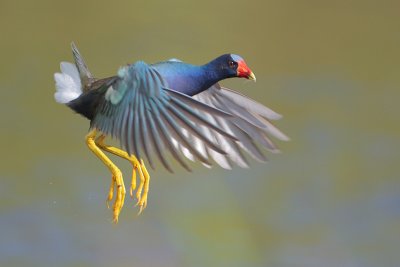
(141, 208)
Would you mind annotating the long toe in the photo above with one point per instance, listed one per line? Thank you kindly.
(120, 196)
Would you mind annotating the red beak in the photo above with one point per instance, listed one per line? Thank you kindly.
(244, 72)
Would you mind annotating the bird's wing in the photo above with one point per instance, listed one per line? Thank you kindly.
(149, 118)
(251, 124)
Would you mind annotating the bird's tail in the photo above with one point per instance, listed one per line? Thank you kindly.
(84, 73)
(73, 79)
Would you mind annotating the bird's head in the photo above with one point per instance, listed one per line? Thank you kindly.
(234, 66)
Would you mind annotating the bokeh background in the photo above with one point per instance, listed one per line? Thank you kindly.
(331, 199)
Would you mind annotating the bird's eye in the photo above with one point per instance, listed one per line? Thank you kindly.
(232, 64)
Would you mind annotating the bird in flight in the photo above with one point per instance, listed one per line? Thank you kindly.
(170, 106)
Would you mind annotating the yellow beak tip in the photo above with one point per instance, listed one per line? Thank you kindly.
(252, 77)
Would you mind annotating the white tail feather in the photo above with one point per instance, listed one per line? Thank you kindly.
(68, 83)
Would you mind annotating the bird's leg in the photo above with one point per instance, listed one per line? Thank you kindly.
(137, 166)
(116, 175)
(118, 152)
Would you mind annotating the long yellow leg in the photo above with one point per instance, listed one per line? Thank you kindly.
(116, 175)
(139, 166)
(118, 152)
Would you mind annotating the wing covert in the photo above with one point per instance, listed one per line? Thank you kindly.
(148, 118)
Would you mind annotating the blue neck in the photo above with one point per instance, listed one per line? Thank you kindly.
(209, 76)
(190, 79)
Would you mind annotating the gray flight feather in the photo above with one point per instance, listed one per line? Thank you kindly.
(249, 125)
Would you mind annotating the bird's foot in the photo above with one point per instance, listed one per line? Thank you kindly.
(118, 183)
(143, 188)
(135, 167)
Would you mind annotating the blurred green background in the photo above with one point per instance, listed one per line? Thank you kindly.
(331, 199)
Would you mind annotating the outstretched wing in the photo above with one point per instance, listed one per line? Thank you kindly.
(148, 118)
(250, 124)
